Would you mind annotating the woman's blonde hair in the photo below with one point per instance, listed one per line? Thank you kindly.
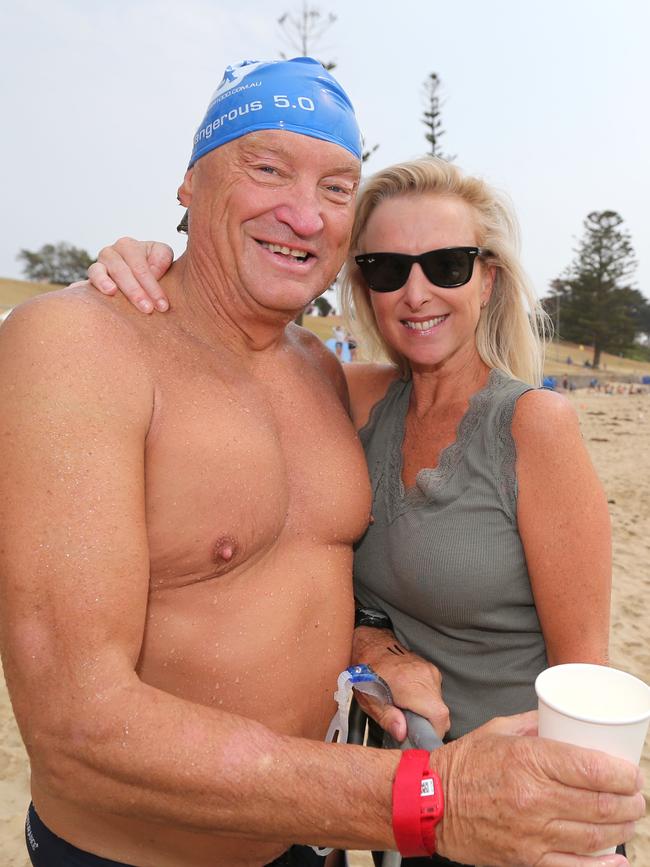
(513, 326)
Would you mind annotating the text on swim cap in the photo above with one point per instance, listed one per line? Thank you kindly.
(304, 103)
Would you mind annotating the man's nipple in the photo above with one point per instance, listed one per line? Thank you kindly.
(224, 550)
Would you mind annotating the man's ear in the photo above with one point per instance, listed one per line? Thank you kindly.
(185, 189)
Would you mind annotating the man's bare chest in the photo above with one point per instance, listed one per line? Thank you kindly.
(236, 466)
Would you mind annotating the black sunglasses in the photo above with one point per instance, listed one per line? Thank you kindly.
(448, 267)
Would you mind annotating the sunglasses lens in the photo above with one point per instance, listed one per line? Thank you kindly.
(385, 272)
(448, 268)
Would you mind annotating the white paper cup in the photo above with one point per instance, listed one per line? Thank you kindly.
(594, 706)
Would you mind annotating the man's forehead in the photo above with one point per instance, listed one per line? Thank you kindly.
(293, 146)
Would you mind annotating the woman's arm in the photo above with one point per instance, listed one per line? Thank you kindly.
(367, 384)
(565, 529)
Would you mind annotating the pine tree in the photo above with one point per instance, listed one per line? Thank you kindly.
(431, 117)
(303, 30)
(596, 302)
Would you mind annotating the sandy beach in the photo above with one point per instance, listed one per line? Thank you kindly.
(616, 429)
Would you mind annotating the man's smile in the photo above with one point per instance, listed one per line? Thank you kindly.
(294, 252)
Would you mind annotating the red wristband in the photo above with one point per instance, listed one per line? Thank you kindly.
(418, 804)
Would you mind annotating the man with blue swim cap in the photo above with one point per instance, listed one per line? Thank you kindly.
(221, 611)
(176, 550)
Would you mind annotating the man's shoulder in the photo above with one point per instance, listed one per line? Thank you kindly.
(312, 350)
(78, 302)
(77, 318)
(72, 336)
(311, 347)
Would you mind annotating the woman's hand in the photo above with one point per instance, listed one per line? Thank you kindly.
(133, 267)
(414, 682)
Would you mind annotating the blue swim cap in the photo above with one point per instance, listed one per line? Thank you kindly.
(298, 95)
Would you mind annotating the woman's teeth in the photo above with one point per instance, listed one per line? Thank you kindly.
(426, 325)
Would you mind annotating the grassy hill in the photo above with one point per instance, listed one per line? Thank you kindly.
(13, 292)
(557, 353)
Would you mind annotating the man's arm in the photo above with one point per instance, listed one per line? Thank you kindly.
(75, 405)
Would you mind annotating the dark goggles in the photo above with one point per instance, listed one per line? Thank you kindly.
(448, 267)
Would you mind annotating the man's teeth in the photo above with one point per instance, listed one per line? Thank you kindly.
(286, 251)
(424, 326)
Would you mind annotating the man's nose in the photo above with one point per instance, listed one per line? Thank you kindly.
(302, 213)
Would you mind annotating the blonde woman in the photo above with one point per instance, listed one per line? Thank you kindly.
(490, 546)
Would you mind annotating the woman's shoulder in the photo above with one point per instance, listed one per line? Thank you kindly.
(367, 385)
(534, 419)
(541, 405)
(529, 404)
(544, 418)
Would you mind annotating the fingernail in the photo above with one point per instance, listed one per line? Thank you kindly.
(145, 306)
(162, 305)
(108, 286)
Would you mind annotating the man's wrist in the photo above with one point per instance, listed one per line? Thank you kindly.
(418, 804)
(445, 763)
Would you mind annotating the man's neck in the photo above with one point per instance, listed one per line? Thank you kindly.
(211, 309)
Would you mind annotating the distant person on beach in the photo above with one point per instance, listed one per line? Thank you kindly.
(340, 348)
(176, 595)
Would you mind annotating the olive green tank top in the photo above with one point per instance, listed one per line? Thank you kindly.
(445, 561)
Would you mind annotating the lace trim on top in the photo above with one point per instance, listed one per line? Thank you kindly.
(506, 457)
(399, 499)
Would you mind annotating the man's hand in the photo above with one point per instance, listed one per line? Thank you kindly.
(414, 682)
(133, 267)
(529, 802)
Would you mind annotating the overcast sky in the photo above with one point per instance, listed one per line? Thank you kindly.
(547, 100)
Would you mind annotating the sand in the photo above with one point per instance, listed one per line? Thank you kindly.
(617, 432)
